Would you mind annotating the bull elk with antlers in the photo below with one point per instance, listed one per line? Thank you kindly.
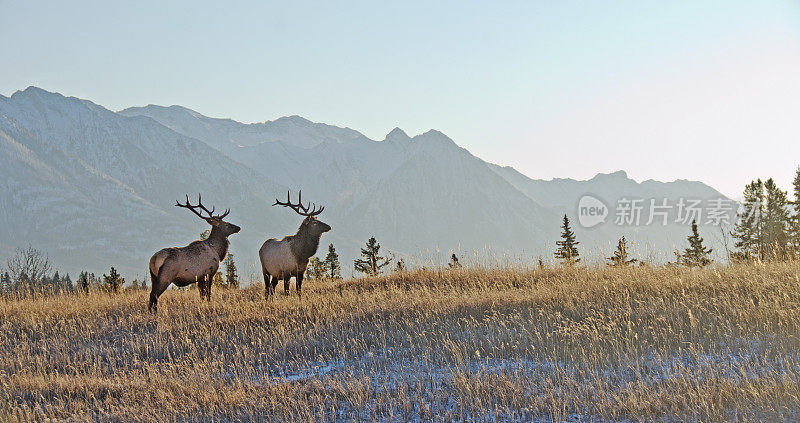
(287, 257)
(196, 262)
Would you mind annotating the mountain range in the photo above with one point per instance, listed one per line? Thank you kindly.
(95, 188)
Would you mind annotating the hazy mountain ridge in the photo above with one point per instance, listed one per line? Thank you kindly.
(118, 174)
(225, 134)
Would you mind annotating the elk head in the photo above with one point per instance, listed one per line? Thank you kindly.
(217, 223)
(310, 224)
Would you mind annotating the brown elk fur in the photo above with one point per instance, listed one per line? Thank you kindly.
(288, 257)
(196, 262)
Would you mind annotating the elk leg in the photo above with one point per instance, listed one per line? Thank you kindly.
(286, 280)
(267, 285)
(299, 282)
(160, 285)
(208, 287)
(273, 285)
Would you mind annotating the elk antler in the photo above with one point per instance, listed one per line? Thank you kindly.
(202, 208)
(299, 208)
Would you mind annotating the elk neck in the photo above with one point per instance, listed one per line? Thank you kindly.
(218, 242)
(305, 243)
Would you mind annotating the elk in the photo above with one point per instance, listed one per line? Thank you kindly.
(196, 262)
(287, 257)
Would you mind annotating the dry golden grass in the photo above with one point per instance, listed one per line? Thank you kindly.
(636, 344)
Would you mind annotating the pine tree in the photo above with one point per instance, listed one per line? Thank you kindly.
(67, 285)
(620, 256)
(566, 251)
(748, 231)
(54, 284)
(231, 276)
(454, 264)
(5, 284)
(400, 266)
(83, 282)
(776, 222)
(696, 254)
(371, 262)
(316, 269)
(332, 265)
(794, 234)
(113, 281)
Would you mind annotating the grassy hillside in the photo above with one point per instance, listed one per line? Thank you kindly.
(552, 344)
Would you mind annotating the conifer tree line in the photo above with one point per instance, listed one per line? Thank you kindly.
(768, 224)
(28, 273)
(767, 228)
(329, 267)
(695, 255)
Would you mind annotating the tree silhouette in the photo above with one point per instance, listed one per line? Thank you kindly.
(83, 282)
(777, 223)
(112, 282)
(231, 275)
(371, 261)
(454, 264)
(696, 255)
(566, 251)
(332, 265)
(620, 256)
(316, 268)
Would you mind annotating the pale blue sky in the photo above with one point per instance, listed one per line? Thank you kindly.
(706, 90)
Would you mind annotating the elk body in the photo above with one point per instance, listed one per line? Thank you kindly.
(196, 262)
(281, 259)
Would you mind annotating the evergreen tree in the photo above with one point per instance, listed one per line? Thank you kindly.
(83, 282)
(794, 234)
(231, 276)
(205, 234)
(777, 223)
(454, 262)
(748, 229)
(371, 262)
(696, 254)
(67, 285)
(332, 265)
(316, 268)
(620, 256)
(54, 284)
(5, 284)
(566, 251)
(400, 266)
(112, 282)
